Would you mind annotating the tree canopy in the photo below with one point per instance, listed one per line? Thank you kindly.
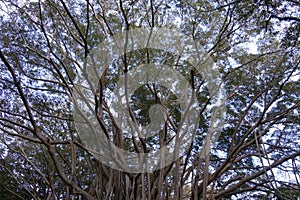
(253, 45)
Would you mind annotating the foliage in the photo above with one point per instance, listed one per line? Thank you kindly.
(255, 46)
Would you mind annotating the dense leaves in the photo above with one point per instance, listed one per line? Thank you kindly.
(254, 45)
